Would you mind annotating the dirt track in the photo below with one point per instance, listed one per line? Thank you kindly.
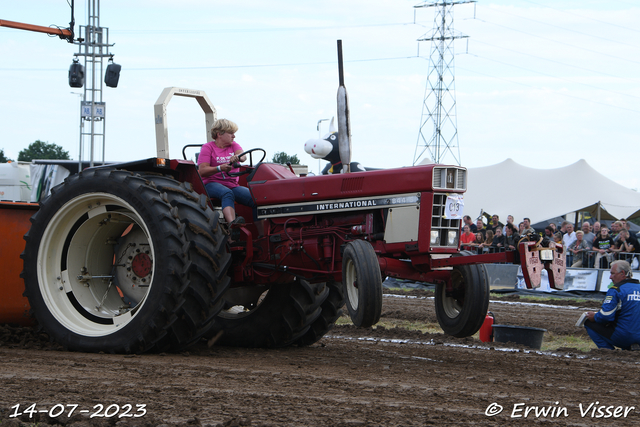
(352, 377)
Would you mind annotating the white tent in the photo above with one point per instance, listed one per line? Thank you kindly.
(509, 188)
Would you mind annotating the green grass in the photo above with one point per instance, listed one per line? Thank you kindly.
(551, 341)
(432, 328)
(549, 297)
(578, 301)
(406, 290)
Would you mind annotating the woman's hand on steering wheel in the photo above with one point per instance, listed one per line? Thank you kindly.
(251, 166)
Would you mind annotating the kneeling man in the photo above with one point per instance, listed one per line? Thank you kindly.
(617, 323)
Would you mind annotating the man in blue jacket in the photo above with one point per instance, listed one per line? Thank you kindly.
(617, 324)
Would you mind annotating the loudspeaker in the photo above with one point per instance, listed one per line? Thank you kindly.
(112, 75)
(76, 74)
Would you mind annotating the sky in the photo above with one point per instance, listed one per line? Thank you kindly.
(543, 82)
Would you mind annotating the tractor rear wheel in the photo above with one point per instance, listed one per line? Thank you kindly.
(462, 309)
(331, 311)
(125, 263)
(362, 282)
(261, 316)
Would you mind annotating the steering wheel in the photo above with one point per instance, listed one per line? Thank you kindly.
(249, 152)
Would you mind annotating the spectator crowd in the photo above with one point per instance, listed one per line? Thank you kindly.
(593, 246)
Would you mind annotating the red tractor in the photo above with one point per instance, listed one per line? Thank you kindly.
(135, 257)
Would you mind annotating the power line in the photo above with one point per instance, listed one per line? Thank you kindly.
(249, 30)
(627, 2)
(257, 30)
(475, 71)
(559, 42)
(352, 61)
(567, 65)
(559, 78)
(274, 65)
(212, 67)
(587, 17)
(566, 29)
(375, 59)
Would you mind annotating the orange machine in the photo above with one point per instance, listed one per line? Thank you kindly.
(14, 217)
(62, 32)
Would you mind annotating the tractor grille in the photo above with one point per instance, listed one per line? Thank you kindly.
(444, 232)
(449, 178)
(352, 185)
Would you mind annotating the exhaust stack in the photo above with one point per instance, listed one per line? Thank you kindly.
(344, 125)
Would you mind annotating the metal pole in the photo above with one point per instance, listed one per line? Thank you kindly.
(93, 47)
(81, 125)
(320, 137)
(101, 41)
(93, 76)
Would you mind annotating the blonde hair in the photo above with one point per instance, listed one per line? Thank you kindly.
(489, 238)
(223, 126)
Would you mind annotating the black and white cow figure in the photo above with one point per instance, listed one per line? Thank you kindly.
(327, 149)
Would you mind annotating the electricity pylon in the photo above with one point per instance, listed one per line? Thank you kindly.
(438, 124)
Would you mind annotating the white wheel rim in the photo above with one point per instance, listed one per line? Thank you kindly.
(451, 306)
(78, 249)
(351, 277)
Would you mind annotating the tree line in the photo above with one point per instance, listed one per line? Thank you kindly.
(38, 150)
(45, 150)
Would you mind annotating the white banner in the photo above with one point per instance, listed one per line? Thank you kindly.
(544, 281)
(574, 280)
(454, 207)
(605, 281)
(581, 280)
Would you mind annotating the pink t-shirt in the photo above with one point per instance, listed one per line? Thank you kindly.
(210, 153)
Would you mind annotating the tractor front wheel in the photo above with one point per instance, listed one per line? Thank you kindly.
(462, 307)
(362, 282)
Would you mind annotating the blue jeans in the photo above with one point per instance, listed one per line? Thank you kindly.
(608, 336)
(228, 196)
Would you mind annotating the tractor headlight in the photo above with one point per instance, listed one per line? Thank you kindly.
(435, 237)
(452, 238)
